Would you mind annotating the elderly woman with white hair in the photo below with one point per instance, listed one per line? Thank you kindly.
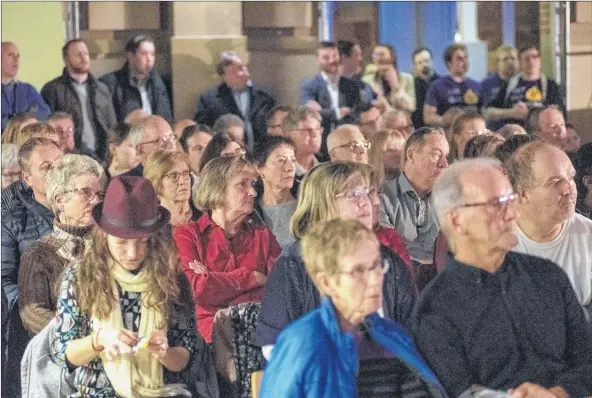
(11, 171)
(73, 186)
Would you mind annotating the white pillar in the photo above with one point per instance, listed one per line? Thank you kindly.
(467, 30)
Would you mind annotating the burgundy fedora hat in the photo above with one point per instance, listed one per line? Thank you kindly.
(130, 209)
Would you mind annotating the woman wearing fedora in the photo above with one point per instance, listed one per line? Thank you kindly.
(126, 325)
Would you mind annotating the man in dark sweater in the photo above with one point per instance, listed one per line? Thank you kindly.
(494, 317)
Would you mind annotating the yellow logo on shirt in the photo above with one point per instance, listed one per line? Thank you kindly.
(470, 97)
(533, 94)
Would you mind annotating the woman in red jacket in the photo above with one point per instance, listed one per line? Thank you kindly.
(225, 255)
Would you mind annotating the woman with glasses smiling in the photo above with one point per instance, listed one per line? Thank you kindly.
(73, 186)
(335, 190)
(345, 348)
(169, 174)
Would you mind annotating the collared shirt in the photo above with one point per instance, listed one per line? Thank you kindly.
(243, 102)
(413, 217)
(300, 171)
(142, 88)
(89, 137)
(520, 324)
(333, 88)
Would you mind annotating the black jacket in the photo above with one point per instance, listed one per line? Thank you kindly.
(126, 97)
(219, 100)
(62, 97)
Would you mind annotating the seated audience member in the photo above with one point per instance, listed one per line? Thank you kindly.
(526, 90)
(194, 140)
(14, 126)
(63, 124)
(231, 125)
(125, 319)
(347, 144)
(303, 127)
(136, 116)
(482, 145)
(122, 156)
(169, 174)
(17, 96)
(225, 255)
(510, 145)
(333, 190)
(137, 85)
(73, 186)
(345, 339)
(157, 134)
(394, 119)
(494, 317)
(221, 144)
(390, 85)
(407, 201)
(465, 126)
(178, 128)
(423, 70)
(11, 171)
(507, 65)
(334, 97)
(276, 118)
(550, 127)
(275, 161)
(43, 129)
(543, 177)
(370, 120)
(573, 142)
(583, 167)
(236, 94)
(386, 153)
(86, 98)
(511, 129)
(453, 93)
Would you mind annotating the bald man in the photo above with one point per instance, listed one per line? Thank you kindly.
(551, 127)
(347, 144)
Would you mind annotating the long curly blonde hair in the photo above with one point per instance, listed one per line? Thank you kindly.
(94, 293)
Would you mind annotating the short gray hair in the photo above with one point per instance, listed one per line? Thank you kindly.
(66, 170)
(448, 189)
(9, 156)
(227, 120)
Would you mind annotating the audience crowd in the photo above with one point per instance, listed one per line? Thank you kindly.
(394, 234)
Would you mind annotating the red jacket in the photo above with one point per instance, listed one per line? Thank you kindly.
(230, 264)
(391, 239)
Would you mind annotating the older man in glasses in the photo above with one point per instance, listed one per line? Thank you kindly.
(496, 318)
(549, 227)
(407, 200)
(347, 144)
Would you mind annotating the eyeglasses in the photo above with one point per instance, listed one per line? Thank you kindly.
(309, 131)
(481, 132)
(175, 175)
(354, 145)
(88, 193)
(160, 140)
(498, 204)
(355, 195)
(361, 273)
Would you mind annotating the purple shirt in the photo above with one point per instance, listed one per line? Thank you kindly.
(445, 93)
(490, 87)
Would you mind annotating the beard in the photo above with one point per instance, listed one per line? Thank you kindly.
(81, 69)
(426, 70)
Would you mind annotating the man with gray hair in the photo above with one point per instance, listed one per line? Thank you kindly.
(407, 201)
(549, 227)
(237, 95)
(347, 144)
(496, 318)
(232, 125)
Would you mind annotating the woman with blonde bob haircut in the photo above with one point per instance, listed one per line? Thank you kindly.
(359, 353)
(170, 176)
(225, 254)
(339, 190)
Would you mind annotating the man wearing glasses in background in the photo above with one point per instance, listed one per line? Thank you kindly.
(347, 144)
(496, 318)
(303, 126)
(157, 134)
(407, 201)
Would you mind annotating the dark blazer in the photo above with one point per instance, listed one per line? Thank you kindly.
(62, 97)
(219, 100)
(126, 97)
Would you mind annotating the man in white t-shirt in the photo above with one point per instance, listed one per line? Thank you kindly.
(549, 227)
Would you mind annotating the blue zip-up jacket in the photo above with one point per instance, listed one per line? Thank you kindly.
(22, 97)
(313, 358)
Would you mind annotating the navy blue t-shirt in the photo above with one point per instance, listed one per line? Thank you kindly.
(490, 87)
(445, 93)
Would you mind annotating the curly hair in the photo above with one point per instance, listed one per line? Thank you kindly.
(94, 291)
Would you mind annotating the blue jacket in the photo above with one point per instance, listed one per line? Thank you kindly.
(313, 358)
(23, 98)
